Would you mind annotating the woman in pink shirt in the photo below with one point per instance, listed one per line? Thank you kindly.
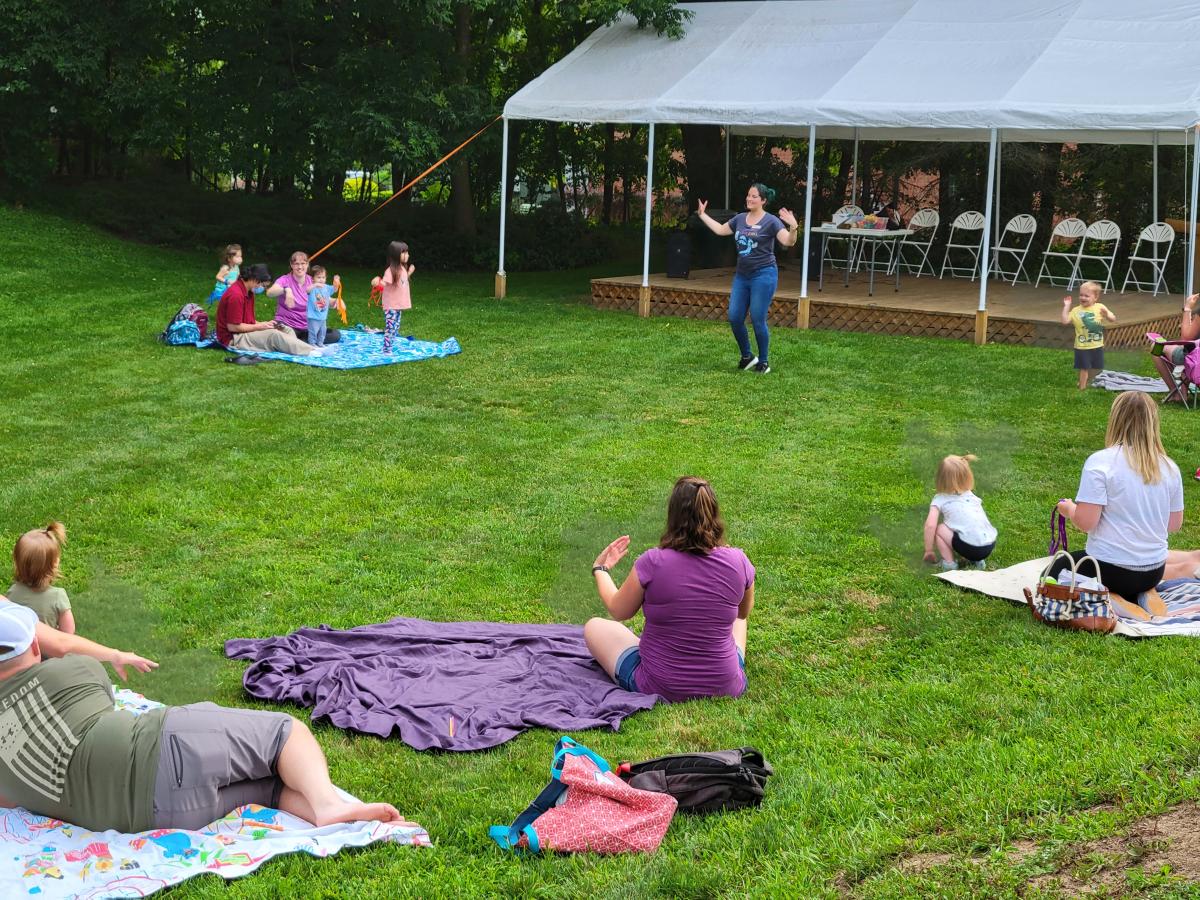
(396, 295)
(291, 295)
(696, 593)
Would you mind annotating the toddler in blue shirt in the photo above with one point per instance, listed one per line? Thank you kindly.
(319, 302)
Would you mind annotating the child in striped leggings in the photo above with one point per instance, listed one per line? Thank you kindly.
(394, 285)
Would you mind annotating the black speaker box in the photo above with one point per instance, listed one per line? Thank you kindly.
(679, 255)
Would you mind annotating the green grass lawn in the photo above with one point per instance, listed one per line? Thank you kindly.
(205, 501)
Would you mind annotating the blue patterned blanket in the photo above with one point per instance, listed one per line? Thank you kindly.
(361, 349)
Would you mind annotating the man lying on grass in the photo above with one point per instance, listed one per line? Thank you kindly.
(65, 752)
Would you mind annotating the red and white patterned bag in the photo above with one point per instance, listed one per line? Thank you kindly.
(587, 808)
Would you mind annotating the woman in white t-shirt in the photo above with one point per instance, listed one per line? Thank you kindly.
(965, 530)
(1130, 498)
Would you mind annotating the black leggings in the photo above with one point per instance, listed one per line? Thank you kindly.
(1128, 583)
(331, 336)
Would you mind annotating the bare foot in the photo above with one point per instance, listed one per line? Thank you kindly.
(356, 812)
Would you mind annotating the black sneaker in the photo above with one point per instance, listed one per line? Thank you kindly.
(746, 362)
(762, 368)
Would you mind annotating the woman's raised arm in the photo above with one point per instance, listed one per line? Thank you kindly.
(714, 226)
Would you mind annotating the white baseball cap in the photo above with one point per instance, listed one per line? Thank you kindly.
(18, 625)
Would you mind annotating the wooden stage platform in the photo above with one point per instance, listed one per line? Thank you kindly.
(925, 306)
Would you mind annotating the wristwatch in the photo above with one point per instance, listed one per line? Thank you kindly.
(596, 569)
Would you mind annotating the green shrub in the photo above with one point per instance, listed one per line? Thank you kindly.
(270, 228)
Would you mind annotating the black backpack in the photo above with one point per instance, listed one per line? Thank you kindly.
(704, 782)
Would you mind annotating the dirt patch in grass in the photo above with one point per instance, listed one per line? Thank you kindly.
(867, 636)
(870, 600)
(923, 862)
(1021, 851)
(1171, 841)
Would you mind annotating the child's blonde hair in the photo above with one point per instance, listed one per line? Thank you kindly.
(36, 556)
(1133, 424)
(1094, 285)
(231, 250)
(954, 475)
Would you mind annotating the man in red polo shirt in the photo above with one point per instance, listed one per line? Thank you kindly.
(237, 328)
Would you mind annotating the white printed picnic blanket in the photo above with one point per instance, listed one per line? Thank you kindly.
(1181, 596)
(47, 858)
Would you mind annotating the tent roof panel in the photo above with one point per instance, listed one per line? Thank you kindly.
(1086, 69)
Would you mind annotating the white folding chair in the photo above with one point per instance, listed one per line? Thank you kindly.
(1101, 233)
(1155, 235)
(848, 242)
(925, 223)
(1071, 229)
(1022, 229)
(964, 222)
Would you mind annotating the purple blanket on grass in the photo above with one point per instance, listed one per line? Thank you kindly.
(449, 685)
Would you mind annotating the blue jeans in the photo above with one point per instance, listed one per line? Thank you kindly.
(752, 292)
(631, 658)
(316, 332)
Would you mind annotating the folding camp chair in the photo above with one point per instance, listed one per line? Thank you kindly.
(848, 242)
(1022, 229)
(1175, 377)
(1155, 235)
(1071, 229)
(1101, 234)
(968, 221)
(925, 223)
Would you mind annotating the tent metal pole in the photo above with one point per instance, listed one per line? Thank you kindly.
(501, 276)
(644, 293)
(854, 173)
(985, 245)
(1154, 189)
(808, 192)
(1191, 267)
(728, 153)
(999, 171)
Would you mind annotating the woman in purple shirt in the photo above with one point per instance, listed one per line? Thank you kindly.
(291, 293)
(696, 593)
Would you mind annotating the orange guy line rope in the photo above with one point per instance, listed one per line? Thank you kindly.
(405, 188)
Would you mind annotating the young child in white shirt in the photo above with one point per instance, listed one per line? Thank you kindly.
(964, 530)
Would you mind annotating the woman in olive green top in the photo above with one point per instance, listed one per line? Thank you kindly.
(35, 567)
(66, 753)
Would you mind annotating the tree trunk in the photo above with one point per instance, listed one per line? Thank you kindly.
(863, 200)
(559, 168)
(575, 178)
(461, 201)
(1048, 178)
(704, 164)
(626, 177)
(399, 180)
(515, 131)
(610, 140)
(846, 157)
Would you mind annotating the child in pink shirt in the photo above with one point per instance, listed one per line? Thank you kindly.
(394, 285)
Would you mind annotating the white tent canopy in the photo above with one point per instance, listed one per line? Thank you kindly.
(1100, 71)
(1109, 71)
